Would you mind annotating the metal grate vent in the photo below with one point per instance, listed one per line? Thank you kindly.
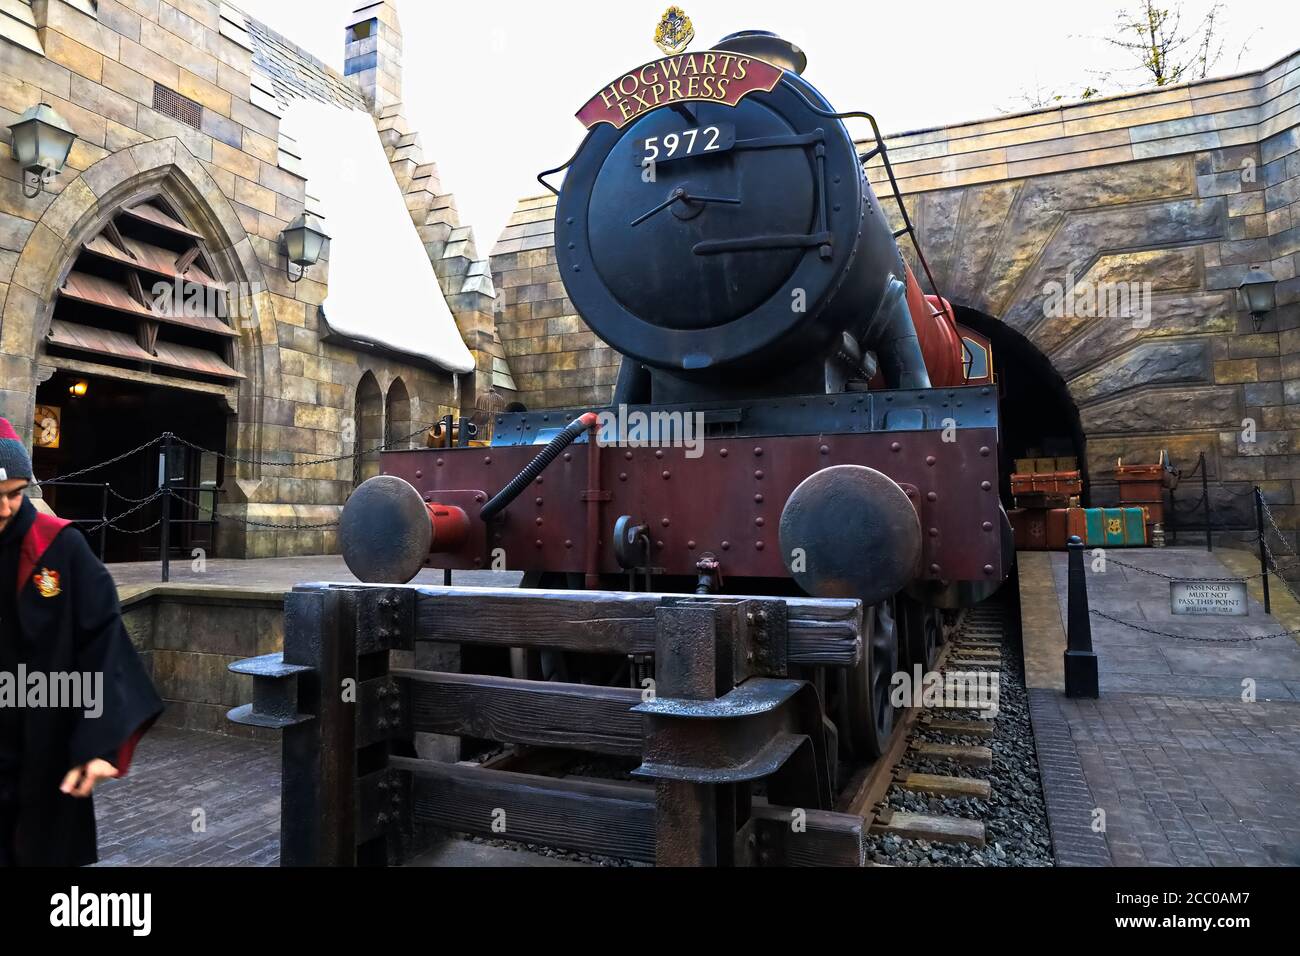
(170, 103)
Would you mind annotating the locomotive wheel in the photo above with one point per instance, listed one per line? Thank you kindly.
(933, 624)
(870, 712)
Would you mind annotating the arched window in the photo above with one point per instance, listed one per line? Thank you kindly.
(398, 427)
(370, 428)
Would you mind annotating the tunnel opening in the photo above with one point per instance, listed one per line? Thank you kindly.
(1039, 418)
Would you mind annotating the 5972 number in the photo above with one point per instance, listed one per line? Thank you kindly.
(691, 142)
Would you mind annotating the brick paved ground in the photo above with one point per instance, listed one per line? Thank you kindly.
(1187, 771)
(147, 819)
(1070, 803)
(1190, 781)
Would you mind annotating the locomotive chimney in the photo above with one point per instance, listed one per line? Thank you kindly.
(766, 46)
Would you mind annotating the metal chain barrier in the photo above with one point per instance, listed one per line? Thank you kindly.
(267, 463)
(132, 531)
(1174, 577)
(102, 464)
(167, 493)
(1277, 572)
(1183, 637)
(1275, 560)
(1281, 536)
(131, 501)
(139, 507)
(1292, 559)
(1235, 494)
(1196, 506)
(385, 446)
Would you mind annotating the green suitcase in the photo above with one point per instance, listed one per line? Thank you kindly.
(1115, 527)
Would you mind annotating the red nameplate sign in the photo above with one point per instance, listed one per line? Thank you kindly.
(712, 75)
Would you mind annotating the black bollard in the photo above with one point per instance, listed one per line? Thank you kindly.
(1080, 660)
(1263, 547)
(166, 474)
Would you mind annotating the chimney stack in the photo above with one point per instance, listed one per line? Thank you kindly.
(373, 53)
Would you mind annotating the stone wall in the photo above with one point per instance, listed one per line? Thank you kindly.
(188, 638)
(556, 359)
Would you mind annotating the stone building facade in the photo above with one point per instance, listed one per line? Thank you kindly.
(177, 107)
(1184, 187)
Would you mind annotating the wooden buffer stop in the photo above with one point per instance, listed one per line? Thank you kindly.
(722, 714)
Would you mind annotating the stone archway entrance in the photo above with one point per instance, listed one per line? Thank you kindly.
(139, 342)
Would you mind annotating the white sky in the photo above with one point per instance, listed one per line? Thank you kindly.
(492, 86)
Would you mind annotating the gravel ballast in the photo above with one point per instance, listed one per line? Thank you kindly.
(1014, 816)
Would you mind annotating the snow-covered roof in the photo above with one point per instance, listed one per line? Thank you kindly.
(382, 288)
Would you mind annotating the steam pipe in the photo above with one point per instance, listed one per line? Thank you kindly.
(891, 334)
(535, 467)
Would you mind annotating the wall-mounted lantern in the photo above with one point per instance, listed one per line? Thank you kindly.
(42, 140)
(79, 389)
(1258, 293)
(303, 243)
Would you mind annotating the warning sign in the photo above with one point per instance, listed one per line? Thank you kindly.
(1209, 598)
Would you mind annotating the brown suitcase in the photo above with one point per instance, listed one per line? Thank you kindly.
(1076, 523)
(1057, 525)
(1036, 529)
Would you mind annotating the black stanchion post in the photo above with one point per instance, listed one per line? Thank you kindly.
(1263, 547)
(165, 471)
(1080, 660)
(103, 531)
(447, 422)
(1205, 496)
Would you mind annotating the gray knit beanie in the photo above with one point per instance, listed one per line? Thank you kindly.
(14, 460)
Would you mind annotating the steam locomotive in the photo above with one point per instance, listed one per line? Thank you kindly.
(793, 414)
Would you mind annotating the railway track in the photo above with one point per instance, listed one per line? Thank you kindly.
(950, 736)
(961, 787)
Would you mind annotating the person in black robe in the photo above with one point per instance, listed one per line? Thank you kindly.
(59, 615)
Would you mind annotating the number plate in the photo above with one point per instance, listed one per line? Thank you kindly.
(681, 144)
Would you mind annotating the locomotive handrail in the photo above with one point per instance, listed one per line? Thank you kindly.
(541, 177)
(883, 153)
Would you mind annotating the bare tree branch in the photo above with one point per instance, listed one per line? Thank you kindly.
(1166, 52)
